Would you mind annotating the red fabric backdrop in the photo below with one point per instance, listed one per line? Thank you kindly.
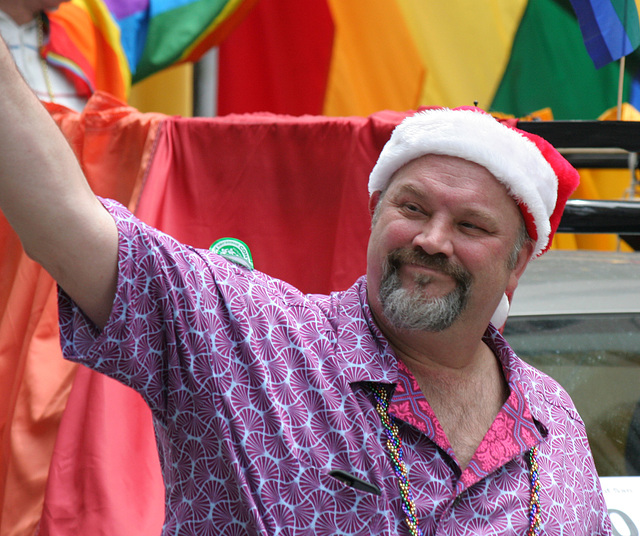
(293, 188)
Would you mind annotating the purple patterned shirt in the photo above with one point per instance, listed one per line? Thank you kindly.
(259, 391)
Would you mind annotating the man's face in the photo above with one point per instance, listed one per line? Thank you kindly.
(440, 244)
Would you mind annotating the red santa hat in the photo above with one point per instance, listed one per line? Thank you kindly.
(537, 176)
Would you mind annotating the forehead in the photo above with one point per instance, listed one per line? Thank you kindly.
(431, 172)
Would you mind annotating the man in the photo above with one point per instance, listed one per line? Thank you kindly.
(24, 26)
(393, 407)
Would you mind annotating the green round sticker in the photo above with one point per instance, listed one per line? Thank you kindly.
(234, 250)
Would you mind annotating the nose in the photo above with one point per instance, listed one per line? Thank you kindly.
(435, 237)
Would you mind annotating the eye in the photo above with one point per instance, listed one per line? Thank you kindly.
(411, 208)
(473, 227)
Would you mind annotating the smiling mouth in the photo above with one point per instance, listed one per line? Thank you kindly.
(423, 261)
(413, 305)
(425, 268)
(423, 276)
(422, 273)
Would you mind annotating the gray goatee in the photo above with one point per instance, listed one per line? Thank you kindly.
(412, 309)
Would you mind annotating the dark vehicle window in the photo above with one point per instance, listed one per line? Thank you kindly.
(596, 358)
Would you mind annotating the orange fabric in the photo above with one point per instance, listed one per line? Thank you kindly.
(34, 379)
(30, 406)
(375, 63)
(105, 474)
(93, 51)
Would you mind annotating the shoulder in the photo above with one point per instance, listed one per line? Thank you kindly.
(143, 247)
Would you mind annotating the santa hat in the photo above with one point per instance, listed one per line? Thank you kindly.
(537, 176)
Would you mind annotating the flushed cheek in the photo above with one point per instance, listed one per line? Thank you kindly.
(399, 236)
(478, 255)
(492, 275)
(380, 245)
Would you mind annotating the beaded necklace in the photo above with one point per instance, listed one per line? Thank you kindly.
(394, 445)
(40, 22)
(534, 503)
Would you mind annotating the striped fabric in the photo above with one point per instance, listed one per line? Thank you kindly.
(610, 28)
(109, 44)
(93, 59)
(511, 56)
(160, 33)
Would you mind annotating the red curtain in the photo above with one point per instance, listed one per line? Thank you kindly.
(293, 188)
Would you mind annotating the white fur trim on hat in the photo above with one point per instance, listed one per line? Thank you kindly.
(476, 136)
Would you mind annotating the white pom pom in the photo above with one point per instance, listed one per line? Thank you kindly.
(501, 313)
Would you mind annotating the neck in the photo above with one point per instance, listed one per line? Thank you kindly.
(461, 379)
(457, 348)
(17, 11)
(449, 370)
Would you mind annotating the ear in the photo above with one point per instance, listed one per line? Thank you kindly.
(374, 198)
(524, 256)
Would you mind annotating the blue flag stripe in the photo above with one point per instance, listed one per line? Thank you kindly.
(605, 35)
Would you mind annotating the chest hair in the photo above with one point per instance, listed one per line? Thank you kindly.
(465, 406)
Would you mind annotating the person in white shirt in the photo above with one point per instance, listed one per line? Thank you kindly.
(23, 26)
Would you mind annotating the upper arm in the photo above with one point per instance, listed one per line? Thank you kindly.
(85, 264)
(46, 199)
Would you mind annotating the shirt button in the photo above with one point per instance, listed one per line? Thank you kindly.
(456, 501)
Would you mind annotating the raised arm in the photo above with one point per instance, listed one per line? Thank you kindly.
(46, 199)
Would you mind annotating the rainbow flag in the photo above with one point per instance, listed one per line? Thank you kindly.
(356, 57)
(158, 33)
(610, 28)
(84, 40)
(109, 44)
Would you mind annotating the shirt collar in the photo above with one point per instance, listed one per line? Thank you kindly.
(363, 353)
(515, 428)
(515, 372)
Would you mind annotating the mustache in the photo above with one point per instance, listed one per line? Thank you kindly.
(401, 256)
